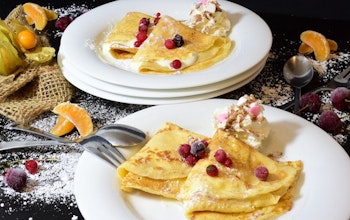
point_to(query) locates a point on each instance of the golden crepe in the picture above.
(158, 168)
(198, 52)
(236, 193)
(120, 42)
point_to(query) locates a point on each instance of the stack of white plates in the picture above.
(81, 65)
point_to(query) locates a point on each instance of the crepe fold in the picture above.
(236, 193)
(198, 52)
(158, 168)
(120, 41)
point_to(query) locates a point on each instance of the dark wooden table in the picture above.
(269, 86)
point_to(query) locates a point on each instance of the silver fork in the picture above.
(94, 144)
(102, 148)
(342, 79)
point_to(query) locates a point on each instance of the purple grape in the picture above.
(340, 98)
(16, 178)
(310, 102)
(330, 122)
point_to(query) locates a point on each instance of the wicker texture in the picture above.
(34, 89)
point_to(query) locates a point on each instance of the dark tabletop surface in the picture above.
(286, 23)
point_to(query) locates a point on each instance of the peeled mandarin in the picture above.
(37, 15)
(318, 43)
(306, 49)
(76, 115)
(62, 126)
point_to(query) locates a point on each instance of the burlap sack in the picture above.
(36, 88)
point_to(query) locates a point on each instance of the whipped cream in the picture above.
(207, 16)
(245, 120)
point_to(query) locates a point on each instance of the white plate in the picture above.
(323, 191)
(251, 35)
(76, 80)
(69, 68)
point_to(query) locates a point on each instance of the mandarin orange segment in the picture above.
(37, 15)
(306, 49)
(76, 115)
(50, 14)
(62, 126)
(318, 42)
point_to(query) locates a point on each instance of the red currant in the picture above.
(176, 64)
(169, 44)
(32, 166)
(220, 156)
(212, 170)
(261, 172)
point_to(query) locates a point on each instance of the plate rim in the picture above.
(314, 196)
(73, 44)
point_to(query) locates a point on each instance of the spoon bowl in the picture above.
(298, 72)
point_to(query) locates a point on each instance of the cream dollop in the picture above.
(245, 120)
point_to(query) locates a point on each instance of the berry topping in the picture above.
(310, 102)
(169, 44)
(63, 22)
(261, 172)
(220, 156)
(178, 40)
(144, 21)
(212, 170)
(176, 64)
(16, 178)
(184, 150)
(330, 122)
(31, 166)
(228, 162)
(143, 28)
(137, 43)
(157, 18)
(340, 98)
(197, 147)
(141, 36)
(191, 160)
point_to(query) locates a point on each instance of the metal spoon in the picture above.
(298, 72)
(119, 135)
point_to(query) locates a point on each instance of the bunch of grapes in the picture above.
(328, 120)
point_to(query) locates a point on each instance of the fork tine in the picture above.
(103, 149)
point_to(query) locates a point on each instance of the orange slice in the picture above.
(77, 116)
(318, 43)
(36, 14)
(306, 49)
(62, 126)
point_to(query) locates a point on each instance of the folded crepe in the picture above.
(236, 193)
(198, 52)
(158, 168)
(120, 42)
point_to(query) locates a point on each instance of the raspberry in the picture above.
(16, 178)
(330, 122)
(178, 40)
(212, 170)
(261, 173)
(63, 22)
(169, 44)
(184, 150)
(310, 102)
(340, 98)
(176, 64)
(220, 156)
(191, 160)
(31, 166)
